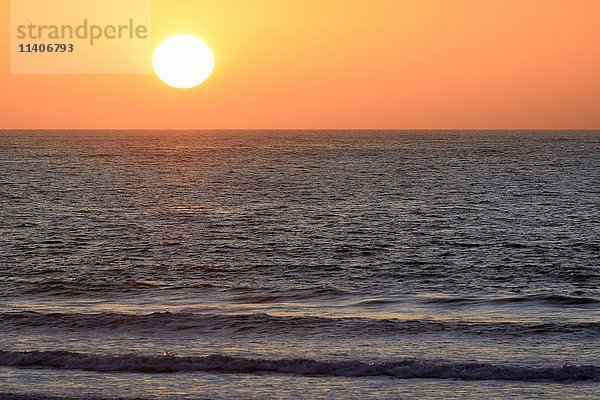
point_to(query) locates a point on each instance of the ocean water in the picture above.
(299, 264)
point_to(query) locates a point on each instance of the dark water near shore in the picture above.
(288, 264)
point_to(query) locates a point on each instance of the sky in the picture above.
(333, 64)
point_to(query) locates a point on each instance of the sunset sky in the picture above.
(327, 64)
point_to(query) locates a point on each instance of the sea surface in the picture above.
(299, 264)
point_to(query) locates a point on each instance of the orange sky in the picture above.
(385, 64)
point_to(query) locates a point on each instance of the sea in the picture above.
(282, 264)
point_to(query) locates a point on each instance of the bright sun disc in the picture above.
(183, 61)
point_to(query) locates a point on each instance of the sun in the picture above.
(183, 61)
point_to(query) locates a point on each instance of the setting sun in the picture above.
(183, 61)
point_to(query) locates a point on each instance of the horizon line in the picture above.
(313, 129)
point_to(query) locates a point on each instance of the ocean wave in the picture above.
(543, 299)
(400, 369)
(261, 323)
(84, 287)
(15, 396)
(276, 296)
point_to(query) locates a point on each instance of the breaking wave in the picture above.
(399, 369)
(166, 322)
(542, 299)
